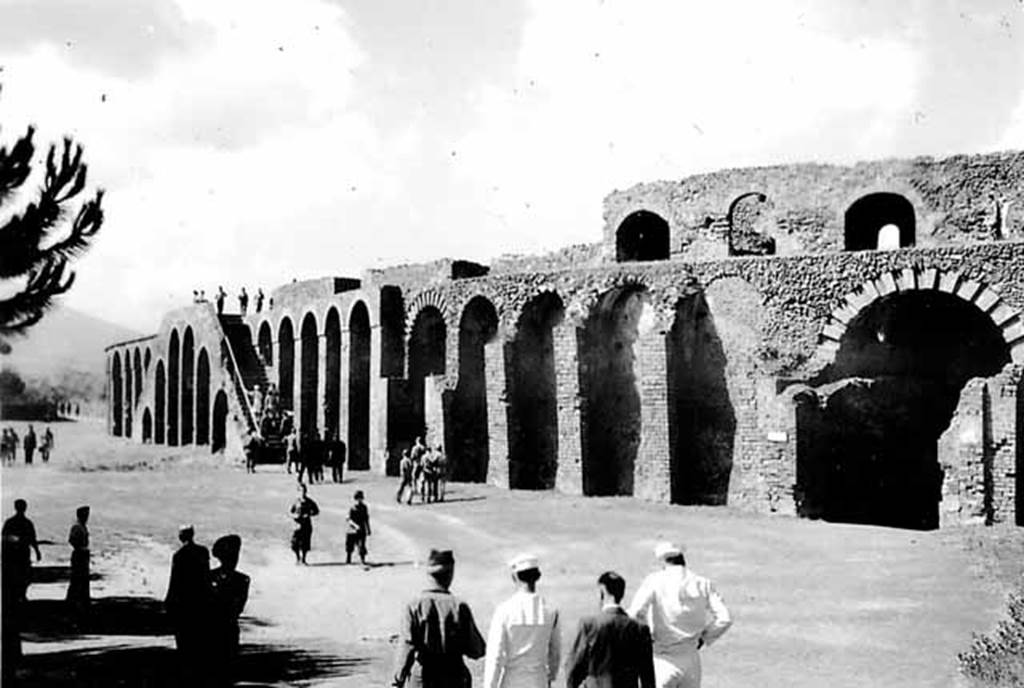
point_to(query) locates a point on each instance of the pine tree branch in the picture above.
(28, 306)
(16, 164)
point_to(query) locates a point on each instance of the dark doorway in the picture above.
(885, 401)
(128, 395)
(160, 401)
(173, 388)
(188, 387)
(611, 399)
(286, 364)
(265, 344)
(470, 448)
(426, 357)
(642, 236)
(137, 369)
(308, 381)
(116, 396)
(220, 422)
(203, 398)
(533, 396)
(332, 371)
(359, 387)
(702, 427)
(147, 427)
(866, 217)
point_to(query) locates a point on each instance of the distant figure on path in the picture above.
(611, 649)
(19, 540)
(302, 512)
(221, 295)
(259, 300)
(336, 457)
(405, 473)
(252, 450)
(292, 454)
(437, 631)
(243, 302)
(78, 538)
(29, 445)
(524, 645)
(684, 612)
(14, 445)
(358, 525)
(188, 598)
(47, 446)
(229, 592)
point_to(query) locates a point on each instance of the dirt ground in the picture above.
(815, 604)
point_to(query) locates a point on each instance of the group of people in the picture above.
(19, 543)
(9, 442)
(204, 605)
(310, 454)
(199, 296)
(357, 525)
(655, 641)
(423, 471)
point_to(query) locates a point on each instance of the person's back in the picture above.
(187, 591)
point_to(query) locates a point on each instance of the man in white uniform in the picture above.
(524, 642)
(684, 613)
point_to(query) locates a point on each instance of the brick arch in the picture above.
(581, 304)
(1005, 317)
(425, 299)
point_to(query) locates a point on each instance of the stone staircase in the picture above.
(250, 367)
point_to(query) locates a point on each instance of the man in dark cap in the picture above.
(188, 596)
(229, 592)
(437, 631)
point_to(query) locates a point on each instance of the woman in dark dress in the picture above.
(229, 590)
(302, 512)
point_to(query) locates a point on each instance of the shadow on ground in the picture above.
(158, 667)
(56, 574)
(54, 620)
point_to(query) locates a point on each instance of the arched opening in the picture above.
(286, 363)
(359, 387)
(220, 422)
(608, 386)
(203, 398)
(533, 396)
(116, 396)
(148, 359)
(137, 369)
(642, 236)
(470, 449)
(308, 375)
(702, 424)
(884, 402)
(265, 344)
(147, 426)
(869, 214)
(160, 400)
(173, 388)
(188, 387)
(128, 394)
(426, 358)
(332, 371)
(888, 238)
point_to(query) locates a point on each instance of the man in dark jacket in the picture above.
(611, 649)
(437, 631)
(188, 597)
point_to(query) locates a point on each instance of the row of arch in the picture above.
(182, 413)
(882, 220)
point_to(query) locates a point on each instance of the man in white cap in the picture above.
(524, 642)
(684, 612)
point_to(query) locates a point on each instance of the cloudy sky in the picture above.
(252, 141)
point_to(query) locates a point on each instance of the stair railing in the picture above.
(240, 392)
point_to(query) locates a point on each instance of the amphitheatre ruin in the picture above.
(836, 342)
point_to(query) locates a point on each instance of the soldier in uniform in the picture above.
(437, 631)
(229, 589)
(405, 472)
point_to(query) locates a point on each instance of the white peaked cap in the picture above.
(524, 562)
(664, 550)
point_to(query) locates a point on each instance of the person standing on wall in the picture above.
(259, 300)
(524, 645)
(685, 614)
(243, 302)
(221, 296)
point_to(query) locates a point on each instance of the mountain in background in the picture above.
(65, 343)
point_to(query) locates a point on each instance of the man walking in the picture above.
(611, 649)
(29, 445)
(188, 598)
(437, 631)
(19, 539)
(684, 612)
(358, 526)
(524, 644)
(405, 472)
(47, 445)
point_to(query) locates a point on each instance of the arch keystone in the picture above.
(928, 279)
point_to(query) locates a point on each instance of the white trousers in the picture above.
(679, 670)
